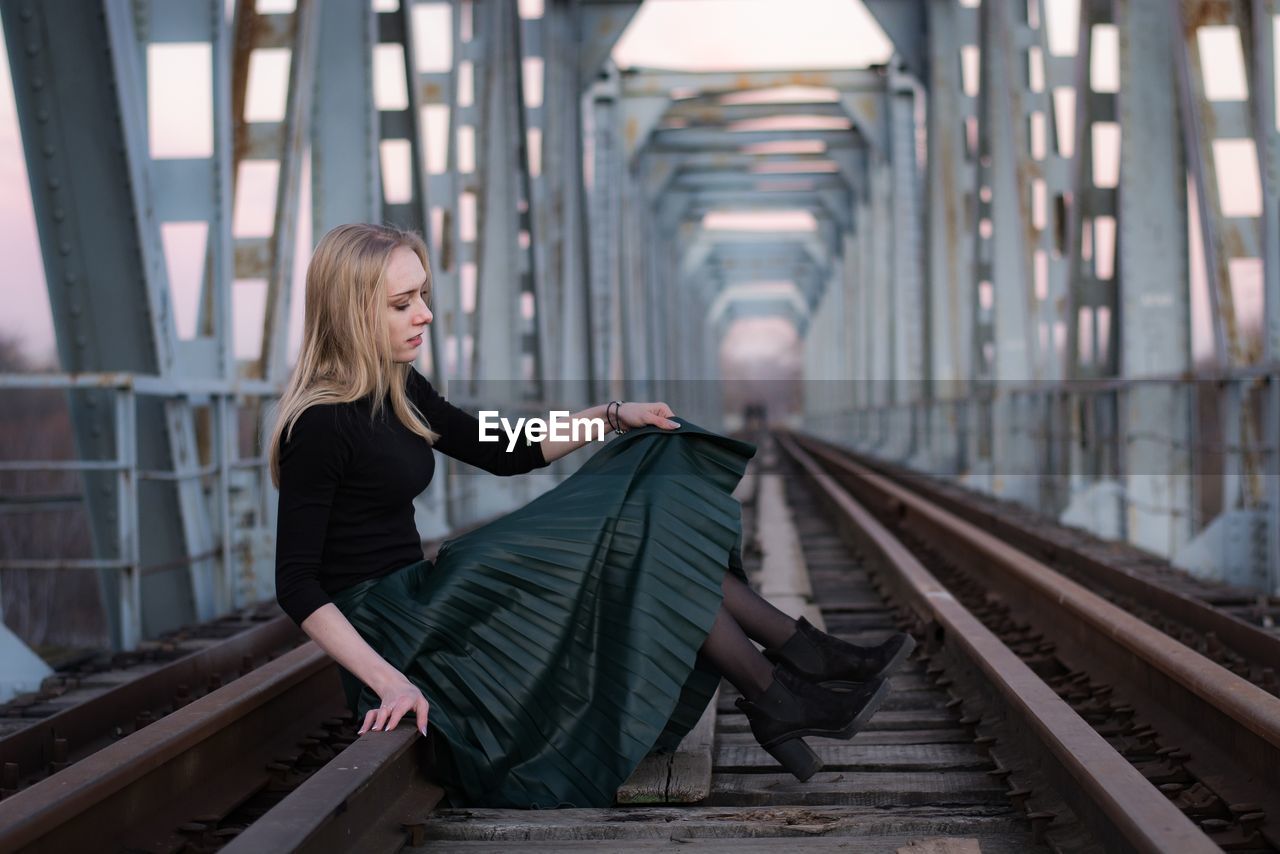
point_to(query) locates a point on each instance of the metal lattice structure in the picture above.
(979, 297)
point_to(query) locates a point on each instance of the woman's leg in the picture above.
(759, 620)
(732, 653)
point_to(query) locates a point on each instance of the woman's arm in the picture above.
(312, 462)
(631, 415)
(334, 634)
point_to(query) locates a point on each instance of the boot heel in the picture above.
(796, 757)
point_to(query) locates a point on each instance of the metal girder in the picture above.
(600, 24)
(728, 308)
(638, 117)
(501, 186)
(951, 284)
(869, 113)
(1249, 496)
(1155, 316)
(731, 180)
(1199, 123)
(344, 126)
(752, 244)
(1089, 294)
(605, 209)
(668, 166)
(559, 201)
(1010, 206)
(270, 258)
(911, 339)
(648, 82)
(81, 108)
(1261, 50)
(904, 22)
(705, 112)
(832, 204)
(403, 127)
(703, 139)
(752, 249)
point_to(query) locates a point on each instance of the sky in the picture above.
(695, 35)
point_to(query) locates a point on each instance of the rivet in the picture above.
(74, 309)
(42, 116)
(69, 278)
(26, 14)
(81, 342)
(49, 149)
(64, 248)
(59, 214)
(32, 50)
(54, 183)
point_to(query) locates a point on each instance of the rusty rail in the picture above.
(1099, 784)
(70, 735)
(200, 760)
(375, 797)
(1229, 727)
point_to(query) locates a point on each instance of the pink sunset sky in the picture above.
(689, 34)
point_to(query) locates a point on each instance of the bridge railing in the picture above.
(1186, 466)
(223, 399)
(237, 490)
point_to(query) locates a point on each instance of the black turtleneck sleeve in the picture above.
(347, 484)
(460, 434)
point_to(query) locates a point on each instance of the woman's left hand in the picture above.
(634, 415)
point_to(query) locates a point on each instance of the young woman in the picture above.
(557, 646)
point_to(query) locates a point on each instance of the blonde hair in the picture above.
(346, 353)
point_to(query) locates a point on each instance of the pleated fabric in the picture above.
(558, 645)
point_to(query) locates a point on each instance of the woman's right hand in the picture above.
(399, 697)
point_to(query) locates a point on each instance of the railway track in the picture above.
(1071, 726)
(1238, 629)
(1203, 736)
(78, 714)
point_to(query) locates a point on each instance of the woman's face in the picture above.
(407, 312)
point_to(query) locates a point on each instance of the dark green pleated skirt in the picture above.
(558, 645)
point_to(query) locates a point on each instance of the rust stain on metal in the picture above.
(1201, 13)
(809, 79)
(869, 105)
(446, 241)
(249, 32)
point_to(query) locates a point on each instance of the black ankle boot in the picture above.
(791, 708)
(836, 664)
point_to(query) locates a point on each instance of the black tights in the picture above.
(745, 616)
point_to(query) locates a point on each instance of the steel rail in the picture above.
(80, 726)
(1229, 726)
(1100, 785)
(202, 758)
(374, 797)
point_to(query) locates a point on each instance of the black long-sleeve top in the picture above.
(347, 485)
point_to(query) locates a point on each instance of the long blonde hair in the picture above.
(345, 353)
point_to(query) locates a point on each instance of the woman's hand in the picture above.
(399, 697)
(642, 414)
